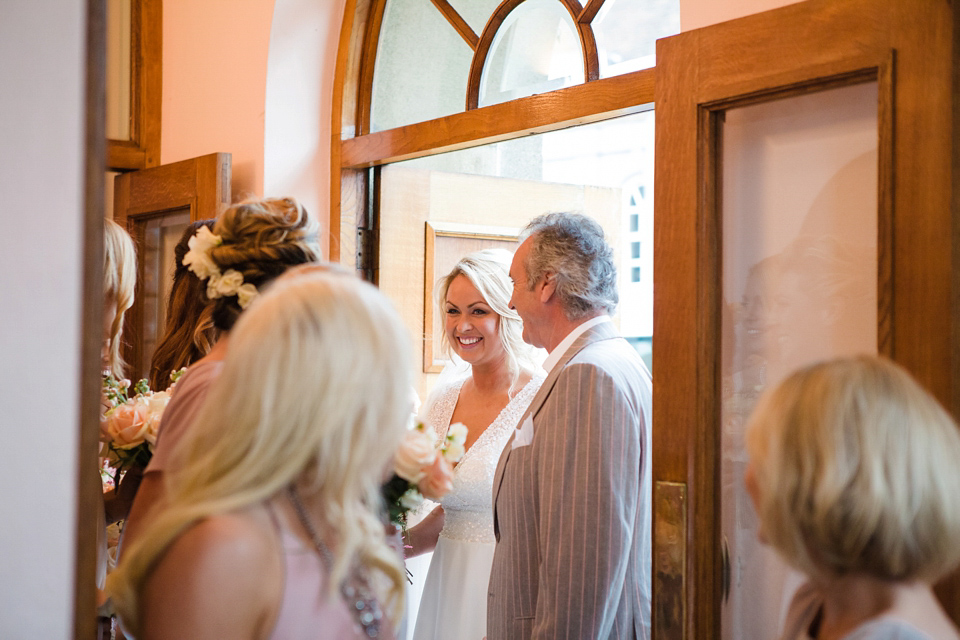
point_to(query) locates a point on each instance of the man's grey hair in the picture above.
(571, 247)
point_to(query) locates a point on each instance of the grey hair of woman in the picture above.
(570, 248)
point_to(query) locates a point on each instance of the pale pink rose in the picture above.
(417, 451)
(437, 481)
(156, 403)
(127, 424)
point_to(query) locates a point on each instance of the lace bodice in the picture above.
(468, 508)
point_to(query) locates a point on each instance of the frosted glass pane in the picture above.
(536, 50)
(160, 236)
(799, 285)
(627, 30)
(475, 12)
(422, 66)
(119, 79)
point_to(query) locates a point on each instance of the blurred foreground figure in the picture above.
(272, 527)
(853, 470)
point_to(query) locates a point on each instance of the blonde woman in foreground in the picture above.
(853, 470)
(272, 528)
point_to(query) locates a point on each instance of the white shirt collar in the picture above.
(554, 357)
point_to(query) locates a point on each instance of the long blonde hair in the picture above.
(119, 283)
(314, 390)
(856, 469)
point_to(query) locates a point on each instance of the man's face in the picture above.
(524, 300)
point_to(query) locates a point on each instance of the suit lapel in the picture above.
(602, 331)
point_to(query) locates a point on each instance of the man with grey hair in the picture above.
(571, 494)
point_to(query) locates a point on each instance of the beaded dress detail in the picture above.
(454, 599)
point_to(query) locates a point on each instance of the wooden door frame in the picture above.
(201, 184)
(908, 47)
(142, 150)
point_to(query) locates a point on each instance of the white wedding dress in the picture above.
(454, 601)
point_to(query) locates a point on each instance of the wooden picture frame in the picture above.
(142, 150)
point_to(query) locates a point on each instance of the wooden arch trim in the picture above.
(368, 63)
(457, 22)
(588, 42)
(483, 48)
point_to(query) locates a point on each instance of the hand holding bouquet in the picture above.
(129, 426)
(423, 467)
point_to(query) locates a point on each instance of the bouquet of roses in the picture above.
(129, 427)
(423, 468)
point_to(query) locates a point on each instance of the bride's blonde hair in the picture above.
(314, 390)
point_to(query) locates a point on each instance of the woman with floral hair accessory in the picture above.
(252, 243)
(853, 472)
(189, 334)
(272, 527)
(489, 398)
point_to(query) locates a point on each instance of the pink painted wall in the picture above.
(700, 13)
(214, 84)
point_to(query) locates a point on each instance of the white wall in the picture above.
(299, 91)
(42, 58)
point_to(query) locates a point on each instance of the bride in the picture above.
(485, 333)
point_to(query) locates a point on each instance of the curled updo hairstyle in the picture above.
(570, 248)
(856, 472)
(488, 271)
(189, 334)
(261, 239)
(119, 283)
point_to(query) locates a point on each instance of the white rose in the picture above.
(229, 282)
(453, 452)
(411, 499)
(212, 292)
(245, 295)
(457, 433)
(418, 450)
(200, 263)
(204, 240)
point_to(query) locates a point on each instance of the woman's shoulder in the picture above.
(222, 570)
(226, 545)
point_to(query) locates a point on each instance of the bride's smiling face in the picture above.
(472, 327)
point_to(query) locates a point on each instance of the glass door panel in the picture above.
(160, 236)
(437, 208)
(799, 263)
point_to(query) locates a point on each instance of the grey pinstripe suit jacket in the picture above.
(572, 509)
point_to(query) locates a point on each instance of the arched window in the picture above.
(459, 120)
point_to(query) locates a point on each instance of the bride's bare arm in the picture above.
(422, 538)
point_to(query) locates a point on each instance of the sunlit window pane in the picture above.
(536, 50)
(627, 31)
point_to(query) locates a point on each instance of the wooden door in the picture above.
(155, 205)
(716, 193)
